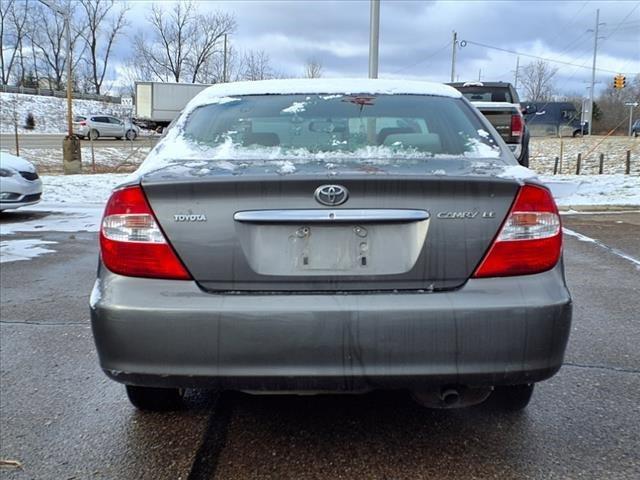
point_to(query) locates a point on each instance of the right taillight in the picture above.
(530, 240)
(517, 125)
(131, 241)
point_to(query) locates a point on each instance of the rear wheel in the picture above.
(155, 399)
(93, 135)
(512, 398)
(131, 135)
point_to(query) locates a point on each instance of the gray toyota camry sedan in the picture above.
(315, 236)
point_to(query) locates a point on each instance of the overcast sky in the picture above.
(415, 36)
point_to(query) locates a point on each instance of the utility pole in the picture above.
(71, 152)
(67, 24)
(224, 64)
(593, 69)
(631, 106)
(374, 38)
(480, 75)
(515, 83)
(453, 56)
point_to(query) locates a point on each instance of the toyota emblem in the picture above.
(331, 195)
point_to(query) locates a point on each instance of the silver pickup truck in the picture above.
(499, 102)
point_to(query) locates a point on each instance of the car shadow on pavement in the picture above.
(375, 435)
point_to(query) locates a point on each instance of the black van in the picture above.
(553, 119)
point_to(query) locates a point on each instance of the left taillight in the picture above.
(530, 240)
(131, 241)
(517, 125)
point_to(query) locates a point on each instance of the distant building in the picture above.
(553, 119)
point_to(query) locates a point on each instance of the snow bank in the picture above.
(24, 249)
(572, 190)
(73, 203)
(50, 113)
(80, 189)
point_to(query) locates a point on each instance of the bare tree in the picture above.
(19, 16)
(103, 26)
(611, 102)
(255, 66)
(13, 23)
(537, 81)
(48, 37)
(183, 41)
(313, 69)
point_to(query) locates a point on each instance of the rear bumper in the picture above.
(489, 332)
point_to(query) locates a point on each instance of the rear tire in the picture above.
(131, 135)
(155, 399)
(524, 155)
(512, 398)
(93, 135)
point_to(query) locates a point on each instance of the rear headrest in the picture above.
(429, 142)
(266, 139)
(385, 132)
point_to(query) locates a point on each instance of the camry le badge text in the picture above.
(467, 214)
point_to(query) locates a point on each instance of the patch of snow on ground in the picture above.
(24, 249)
(73, 203)
(80, 189)
(572, 190)
(58, 218)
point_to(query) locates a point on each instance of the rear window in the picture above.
(486, 94)
(383, 124)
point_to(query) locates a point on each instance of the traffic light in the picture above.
(619, 81)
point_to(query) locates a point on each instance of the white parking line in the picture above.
(615, 251)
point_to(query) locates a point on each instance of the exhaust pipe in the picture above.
(449, 396)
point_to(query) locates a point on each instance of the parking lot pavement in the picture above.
(61, 418)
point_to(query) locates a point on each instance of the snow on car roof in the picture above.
(344, 86)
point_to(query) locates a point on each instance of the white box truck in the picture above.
(158, 103)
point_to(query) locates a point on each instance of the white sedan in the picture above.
(19, 182)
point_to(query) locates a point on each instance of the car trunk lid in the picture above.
(259, 227)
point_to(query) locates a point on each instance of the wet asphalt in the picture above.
(61, 418)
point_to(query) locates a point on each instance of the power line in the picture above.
(513, 52)
(433, 54)
(620, 24)
(561, 31)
